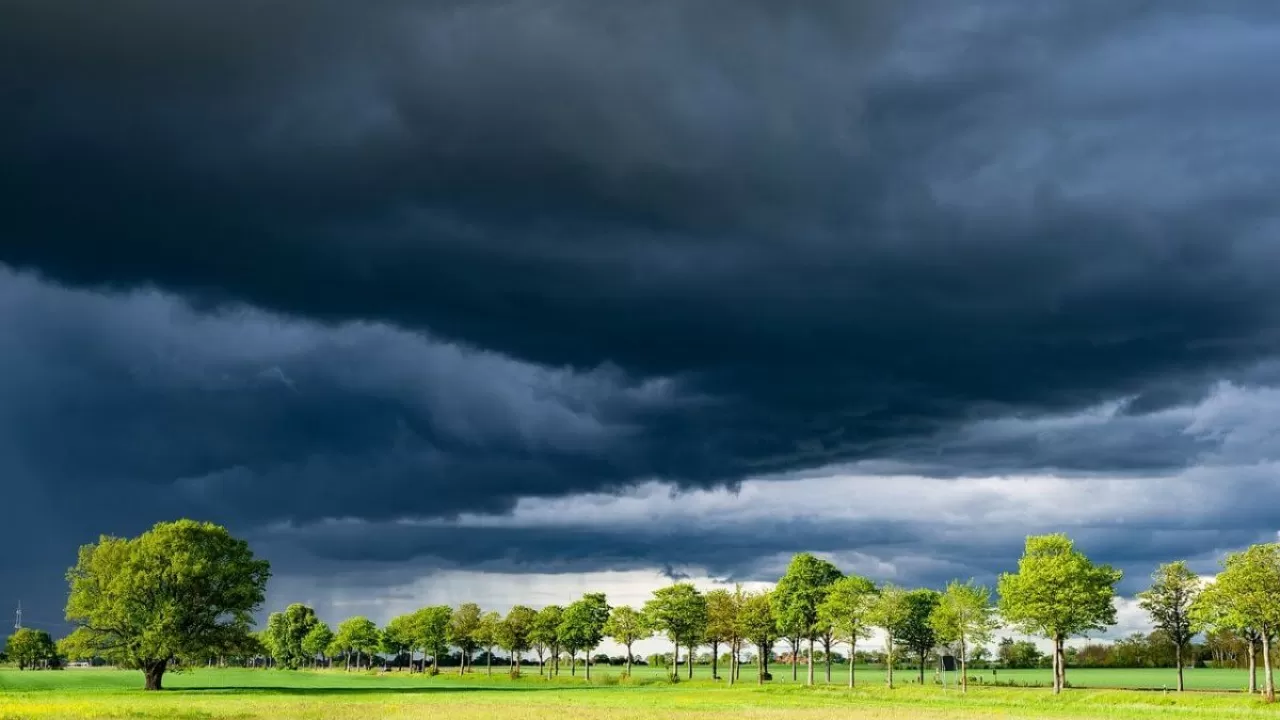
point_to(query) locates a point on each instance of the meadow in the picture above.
(311, 695)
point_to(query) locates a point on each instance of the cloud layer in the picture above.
(352, 281)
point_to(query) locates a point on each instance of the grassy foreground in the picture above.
(282, 695)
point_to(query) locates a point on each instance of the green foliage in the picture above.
(582, 626)
(430, 631)
(847, 608)
(513, 631)
(1169, 602)
(1246, 597)
(316, 642)
(799, 594)
(756, 620)
(1057, 591)
(462, 628)
(916, 634)
(678, 610)
(486, 633)
(30, 648)
(964, 616)
(544, 636)
(890, 612)
(357, 635)
(723, 608)
(180, 591)
(285, 632)
(626, 626)
(401, 634)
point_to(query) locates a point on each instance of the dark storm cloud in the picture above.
(857, 221)
(696, 241)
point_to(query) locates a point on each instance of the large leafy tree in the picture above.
(462, 632)
(545, 636)
(757, 623)
(964, 616)
(486, 636)
(1058, 592)
(432, 631)
(30, 648)
(285, 631)
(513, 633)
(916, 633)
(357, 636)
(799, 594)
(890, 612)
(176, 592)
(582, 627)
(316, 642)
(1246, 596)
(680, 611)
(626, 626)
(847, 611)
(1169, 600)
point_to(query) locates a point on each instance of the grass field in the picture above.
(283, 695)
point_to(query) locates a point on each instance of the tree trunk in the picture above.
(154, 673)
(852, 659)
(1177, 657)
(922, 656)
(964, 668)
(1269, 688)
(1253, 666)
(715, 660)
(888, 660)
(811, 656)
(628, 660)
(675, 659)
(760, 665)
(586, 663)
(689, 660)
(795, 656)
(1059, 665)
(573, 664)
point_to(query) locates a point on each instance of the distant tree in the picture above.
(758, 624)
(964, 615)
(797, 597)
(626, 626)
(916, 634)
(1173, 592)
(847, 610)
(357, 635)
(513, 633)
(1246, 596)
(890, 612)
(545, 636)
(462, 633)
(317, 640)
(680, 611)
(285, 631)
(431, 633)
(486, 636)
(31, 648)
(174, 593)
(1058, 592)
(722, 627)
(582, 627)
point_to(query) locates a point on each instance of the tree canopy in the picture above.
(513, 631)
(30, 648)
(1058, 592)
(626, 626)
(847, 610)
(285, 632)
(965, 616)
(1169, 601)
(582, 626)
(799, 594)
(678, 610)
(176, 592)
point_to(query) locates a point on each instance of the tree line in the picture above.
(185, 593)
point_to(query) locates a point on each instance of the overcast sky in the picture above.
(507, 301)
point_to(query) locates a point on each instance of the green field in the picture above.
(283, 695)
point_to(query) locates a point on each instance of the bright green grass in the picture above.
(283, 695)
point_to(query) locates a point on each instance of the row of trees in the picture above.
(185, 592)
